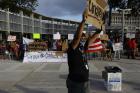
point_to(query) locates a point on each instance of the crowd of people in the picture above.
(15, 49)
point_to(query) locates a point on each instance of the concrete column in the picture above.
(40, 19)
(21, 14)
(52, 25)
(123, 22)
(32, 17)
(8, 21)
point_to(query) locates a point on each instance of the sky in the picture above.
(63, 9)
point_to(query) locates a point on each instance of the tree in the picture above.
(135, 6)
(13, 4)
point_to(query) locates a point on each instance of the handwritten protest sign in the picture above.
(57, 36)
(11, 38)
(96, 12)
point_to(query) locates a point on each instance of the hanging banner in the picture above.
(96, 12)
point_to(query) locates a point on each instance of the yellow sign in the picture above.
(36, 36)
(95, 12)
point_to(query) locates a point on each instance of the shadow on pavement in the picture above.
(96, 82)
(27, 90)
(63, 76)
(134, 85)
(2, 91)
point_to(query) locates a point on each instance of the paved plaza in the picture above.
(18, 77)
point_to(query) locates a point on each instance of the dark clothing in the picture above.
(77, 81)
(74, 87)
(77, 62)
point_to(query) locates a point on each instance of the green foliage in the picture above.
(135, 6)
(14, 4)
(115, 3)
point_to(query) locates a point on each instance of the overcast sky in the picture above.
(64, 9)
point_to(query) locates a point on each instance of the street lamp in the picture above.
(123, 21)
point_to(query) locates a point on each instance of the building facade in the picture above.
(130, 24)
(22, 24)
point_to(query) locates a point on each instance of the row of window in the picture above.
(3, 26)
(126, 18)
(3, 16)
(15, 19)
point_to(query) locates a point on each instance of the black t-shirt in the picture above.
(77, 62)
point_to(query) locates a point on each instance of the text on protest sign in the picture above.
(96, 12)
(57, 36)
(11, 38)
(70, 36)
(44, 56)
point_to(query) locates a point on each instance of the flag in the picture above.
(95, 46)
(27, 41)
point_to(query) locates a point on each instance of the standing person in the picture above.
(59, 45)
(77, 80)
(64, 45)
(129, 48)
(134, 47)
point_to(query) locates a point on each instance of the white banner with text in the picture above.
(45, 56)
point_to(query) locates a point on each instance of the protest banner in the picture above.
(11, 38)
(44, 56)
(57, 36)
(70, 36)
(117, 46)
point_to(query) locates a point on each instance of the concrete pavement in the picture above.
(17, 77)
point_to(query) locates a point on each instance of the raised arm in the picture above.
(78, 33)
(93, 37)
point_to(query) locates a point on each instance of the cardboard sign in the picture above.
(95, 12)
(11, 38)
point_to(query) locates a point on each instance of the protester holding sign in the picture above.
(77, 81)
